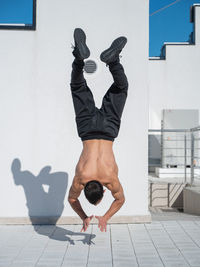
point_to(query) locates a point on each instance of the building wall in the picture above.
(174, 81)
(37, 118)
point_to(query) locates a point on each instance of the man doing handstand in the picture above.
(97, 128)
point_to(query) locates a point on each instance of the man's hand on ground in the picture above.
(86, 223)
(102, 223)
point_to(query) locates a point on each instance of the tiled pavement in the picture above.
(160, 243)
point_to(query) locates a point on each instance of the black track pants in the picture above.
(94, 123)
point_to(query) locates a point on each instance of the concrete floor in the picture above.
(172, 239)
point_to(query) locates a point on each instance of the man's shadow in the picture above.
(46, 204)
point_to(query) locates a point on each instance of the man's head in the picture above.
(93, 192)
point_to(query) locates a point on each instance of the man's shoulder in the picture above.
(76, 181)
(113, 184)
(80, 179)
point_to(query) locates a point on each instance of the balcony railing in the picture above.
(179, 148)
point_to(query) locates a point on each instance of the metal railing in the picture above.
(185, 151)
(195, 154)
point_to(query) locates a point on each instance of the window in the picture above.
(18, 14)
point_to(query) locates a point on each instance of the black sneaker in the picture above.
(112, 53)
(81, 51)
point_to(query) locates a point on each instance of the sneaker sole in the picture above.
(80, 43)
(110, 53)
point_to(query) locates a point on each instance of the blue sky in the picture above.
(169, 25)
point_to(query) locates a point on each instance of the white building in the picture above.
(174, 77)
(37, 116)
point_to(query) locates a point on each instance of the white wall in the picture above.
(174, 82)
(37, 116)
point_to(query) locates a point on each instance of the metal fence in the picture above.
(178, 148)
(195, 154)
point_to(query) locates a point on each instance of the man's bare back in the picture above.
(97, 162)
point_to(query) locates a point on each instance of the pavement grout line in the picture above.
(121, 239)
(197, 224)
(132, 245)
(66, 250)
(26, 242)
(45, 246)
(89, 246)
(7, 240)
(154, 245)
(188, 235)
(175, 244)
(100, 252)
(111, 244)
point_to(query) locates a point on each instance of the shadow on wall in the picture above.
(41, 203)
(45, 204)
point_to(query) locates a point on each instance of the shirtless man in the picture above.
(97, 129)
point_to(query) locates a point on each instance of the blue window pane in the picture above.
(16, 12)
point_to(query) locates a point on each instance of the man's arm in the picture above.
(118, 194)
(117, 203)
(74, 193)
